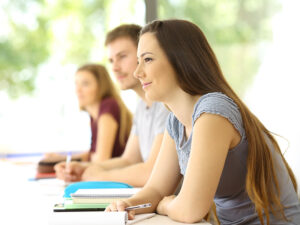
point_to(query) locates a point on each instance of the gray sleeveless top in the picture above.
(232, 202)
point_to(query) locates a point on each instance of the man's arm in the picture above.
(130, 156)
(135, 174)
(75, 169)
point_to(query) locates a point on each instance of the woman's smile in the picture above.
(146, 84)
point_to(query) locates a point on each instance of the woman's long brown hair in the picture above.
(198, 73)
(106, 88)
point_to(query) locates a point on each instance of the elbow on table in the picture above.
(188, 218)
(185, 215)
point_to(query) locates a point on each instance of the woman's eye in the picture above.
(148, 59)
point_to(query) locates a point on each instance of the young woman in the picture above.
(110, 119)
(229, 161)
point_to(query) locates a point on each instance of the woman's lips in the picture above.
(146, 84)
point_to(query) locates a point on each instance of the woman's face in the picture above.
(154, 70)
(86, 88)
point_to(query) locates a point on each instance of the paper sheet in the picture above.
(140, 217)
(88, 218)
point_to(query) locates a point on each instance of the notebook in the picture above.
(96, 200)
(108, 195)
(69, 206)
(85, 206)
(72, 188)
(105, 193)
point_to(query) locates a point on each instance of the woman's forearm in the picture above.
(146, 195)
(84, 156)
(118, 162)
(184, 212)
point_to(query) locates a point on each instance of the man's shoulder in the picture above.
(160, 108)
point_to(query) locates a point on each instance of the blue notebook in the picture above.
(72, 188)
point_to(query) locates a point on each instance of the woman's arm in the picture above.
(213, 136)
(106, 137)
(163, 179)
(141, 170)
(130, 156)
(84, 156)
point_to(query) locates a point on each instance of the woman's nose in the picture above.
(138, 73)
(78, 89)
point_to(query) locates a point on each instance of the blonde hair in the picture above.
(106, 88)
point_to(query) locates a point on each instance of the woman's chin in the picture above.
(81, 105)
(153, 98)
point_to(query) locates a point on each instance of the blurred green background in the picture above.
(37, 32)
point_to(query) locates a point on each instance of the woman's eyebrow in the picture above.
(145, 53)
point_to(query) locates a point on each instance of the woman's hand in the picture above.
(163, 205)
(93, 172)
(71, 172)
(120, 206)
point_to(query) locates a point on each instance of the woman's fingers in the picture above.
(131, 214)
(111, 208)
(120, 206)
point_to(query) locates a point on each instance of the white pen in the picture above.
(142, 206)
(69, 157)
(68, 160)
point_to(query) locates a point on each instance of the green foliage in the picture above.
(84, 21)
(225, 22)
(233, 28)
(21, 52)
(65, 30)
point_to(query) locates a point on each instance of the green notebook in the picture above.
(85, 206)
(78, 207)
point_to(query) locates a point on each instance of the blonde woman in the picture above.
(110, 119)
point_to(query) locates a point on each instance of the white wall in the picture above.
(274, 96)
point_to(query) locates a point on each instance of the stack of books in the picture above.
(94, 199)
(82, 205)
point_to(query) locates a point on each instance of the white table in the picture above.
(31, 202)
(158, 219)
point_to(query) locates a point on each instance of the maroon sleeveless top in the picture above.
(108, 105)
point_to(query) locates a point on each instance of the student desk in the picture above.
(31, 202)
(158, 219)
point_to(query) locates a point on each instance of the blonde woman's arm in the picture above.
(106, 138)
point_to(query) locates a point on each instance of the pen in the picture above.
(142, 206)
(68, 159)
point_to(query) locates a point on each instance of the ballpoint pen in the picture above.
(142, 206)
(68, 160)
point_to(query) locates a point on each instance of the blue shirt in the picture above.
(232, 201)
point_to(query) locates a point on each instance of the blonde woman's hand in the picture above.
(120, 206)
